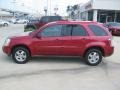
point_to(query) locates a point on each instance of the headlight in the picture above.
(7, 42)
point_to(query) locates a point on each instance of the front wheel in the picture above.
(93, 57)
(20, 55)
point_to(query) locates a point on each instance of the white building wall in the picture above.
(83, 6)
(95, 5)
(95, 13)
(3, 13)
(106, 4)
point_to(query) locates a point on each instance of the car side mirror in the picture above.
(38, 36)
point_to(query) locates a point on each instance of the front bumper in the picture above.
(6, 50)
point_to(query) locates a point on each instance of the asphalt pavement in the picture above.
(57, 73)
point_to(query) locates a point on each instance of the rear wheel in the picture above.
(93, 57)
(20, 55)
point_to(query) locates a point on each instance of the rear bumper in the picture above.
(109, 51)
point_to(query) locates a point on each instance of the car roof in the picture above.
(73, 22)
(51, 16)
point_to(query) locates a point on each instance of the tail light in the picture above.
(111, 41)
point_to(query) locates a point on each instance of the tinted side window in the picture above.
(66, 30)
(79, 31)
(98, 31)
(54, 18)
(44, 19)
(52, 31)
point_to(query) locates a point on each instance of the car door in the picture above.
(66, 39)
(50, 41)
(79, 39)
(74, 40)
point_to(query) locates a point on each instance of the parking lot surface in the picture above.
(57, 73)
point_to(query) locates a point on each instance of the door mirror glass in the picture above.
(38, 36)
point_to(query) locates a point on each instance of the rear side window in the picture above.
(79, 31)
(98, 31)
(66, 30)
(73, 30)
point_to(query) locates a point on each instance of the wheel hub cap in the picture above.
(20, 55)
(93, 57)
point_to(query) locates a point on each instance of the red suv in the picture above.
(89, 40)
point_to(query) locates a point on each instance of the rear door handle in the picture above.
(84, 38)
(56, 39)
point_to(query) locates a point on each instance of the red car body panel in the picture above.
(115, 30)
(63, 45)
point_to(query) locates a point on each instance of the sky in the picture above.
(37, 6)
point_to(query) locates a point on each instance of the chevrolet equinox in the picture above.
(89, 40)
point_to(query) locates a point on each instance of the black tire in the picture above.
(20, 50)
(5, 24)
(95, 60)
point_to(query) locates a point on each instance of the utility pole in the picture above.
(45, 9)
(14, 1)
(55, 10)
(50, 7)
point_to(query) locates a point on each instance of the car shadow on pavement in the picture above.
(57, 60)
(7, 59)
(47, 59)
